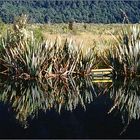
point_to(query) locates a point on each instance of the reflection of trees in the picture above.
(126, 99)
(28, 97)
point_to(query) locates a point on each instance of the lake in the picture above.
(70, 107)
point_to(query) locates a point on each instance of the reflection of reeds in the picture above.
(29, 97)
(25, 98)
(68, 92)
(126, 99)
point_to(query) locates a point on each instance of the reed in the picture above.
(23, 56)
(124, 55)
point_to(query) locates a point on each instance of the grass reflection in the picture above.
(126, 98)
(27, 98)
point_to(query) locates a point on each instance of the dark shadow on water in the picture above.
(62, 108)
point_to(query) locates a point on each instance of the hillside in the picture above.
(92, 11)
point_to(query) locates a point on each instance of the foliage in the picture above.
(24, 56)
(93, 11)
(124, 56)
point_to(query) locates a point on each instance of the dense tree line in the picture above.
(57, 11)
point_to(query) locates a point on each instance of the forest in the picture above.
(63, 11)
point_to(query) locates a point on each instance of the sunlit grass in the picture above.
(24, 56)
(27, 53)
(124, 56)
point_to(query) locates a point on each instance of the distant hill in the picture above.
(91, 11)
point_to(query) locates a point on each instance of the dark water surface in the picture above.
(69, 109)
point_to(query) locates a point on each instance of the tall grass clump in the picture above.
(67, 59)
(124, 56)
(23, 56)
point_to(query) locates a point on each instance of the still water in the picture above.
(70, 108)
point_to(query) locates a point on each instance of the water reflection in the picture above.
(29, 97)
(68, 92)
(26, 98)
(126, 99)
